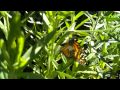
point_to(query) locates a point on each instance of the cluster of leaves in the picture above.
(30, 44)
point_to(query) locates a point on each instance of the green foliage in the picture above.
(33, 40)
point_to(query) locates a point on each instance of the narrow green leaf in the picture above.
(81, 23)
(104, 49)
(87, 72)
(63, 75)
(78, 15)
(67, 24)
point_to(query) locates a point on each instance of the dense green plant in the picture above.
(32, 40)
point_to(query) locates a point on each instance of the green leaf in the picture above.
(111, 56)
(3, 75)
(67, 24)
(55, 64)
(87, 72)
(19, 50)
(63, 75)
(90, 56)
(78, 15)
(4, 51)
(104, 49)
(77, 26)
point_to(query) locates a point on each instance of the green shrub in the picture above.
(32, 40)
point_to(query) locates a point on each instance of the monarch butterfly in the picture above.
(71, 49)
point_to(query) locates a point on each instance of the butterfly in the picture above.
(71, 49)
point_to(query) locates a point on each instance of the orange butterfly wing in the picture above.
(65, 50)
(78, 53)
(72, 49)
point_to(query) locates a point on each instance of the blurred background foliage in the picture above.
(30, 44)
